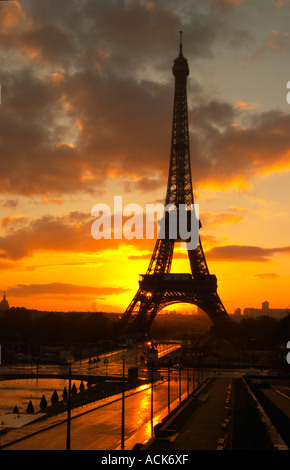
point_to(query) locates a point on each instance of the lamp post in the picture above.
(201, 367)
(179, 382)
(106, 362)
(68, 431)
(198, 371)
(168, 388)
(123, 406)
(152, 380)
(193, 374)
(253, 342)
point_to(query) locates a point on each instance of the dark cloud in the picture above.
(47, 233)
(73, 233)
(225, 151)
(99, 73)
(227, 3)
(10, 203)
(59, 288)
(50, 42)
(244, 253)
(70, 233)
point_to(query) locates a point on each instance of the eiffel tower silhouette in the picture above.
(159, 288)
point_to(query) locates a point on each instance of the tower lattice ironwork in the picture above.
(159, 288)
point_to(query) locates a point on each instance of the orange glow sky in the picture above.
(85, 114)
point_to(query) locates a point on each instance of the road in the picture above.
(100, 429)
(203, 429)
(279, 394)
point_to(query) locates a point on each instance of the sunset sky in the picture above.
(86, 114)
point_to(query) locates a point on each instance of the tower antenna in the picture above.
(180, 42)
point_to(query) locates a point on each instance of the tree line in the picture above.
(22, 325)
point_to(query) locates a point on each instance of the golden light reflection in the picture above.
(144, 406)
(142, 387)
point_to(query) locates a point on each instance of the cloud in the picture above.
(59, 288)
(233, 253)
(210, 219)
(13, 220)
(243, 106)
(68, 233)
(244, 253)
(281, 3)
(89, 99)
(237, 153)
(228, 3)
(7, 264)
(45, 233)
(10, 203)
(278, 41)
(47, 44)
(266, 275)
(11, 15)
(54, 200)
(72, 233)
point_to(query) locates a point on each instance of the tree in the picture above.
(54, 397)
(43, 402)
(30, 407)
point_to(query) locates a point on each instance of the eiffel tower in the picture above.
(159, 288)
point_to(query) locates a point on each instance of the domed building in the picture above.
(4, 304)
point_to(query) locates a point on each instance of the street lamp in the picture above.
(179, 382)
(253, 341)
(152, 380)
(168, 388)
(123, 406)
(106, 362)
(68, 432)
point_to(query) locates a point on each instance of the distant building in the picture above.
(265, 306)
(4, 304)
(266, 310)
(238, 312)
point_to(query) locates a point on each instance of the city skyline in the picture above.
(86, 115)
